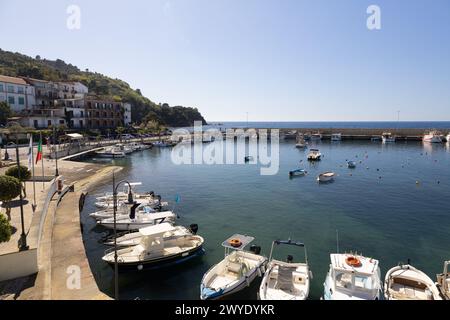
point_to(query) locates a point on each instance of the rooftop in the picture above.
(14, 80)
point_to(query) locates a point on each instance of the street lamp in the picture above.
(130, 201)
(23, 237)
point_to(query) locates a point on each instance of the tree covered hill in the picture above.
(19, 65)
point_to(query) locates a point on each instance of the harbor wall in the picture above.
(18, 264)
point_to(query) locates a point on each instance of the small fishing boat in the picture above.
(124, 148)
(236, 271)
(124, 193)
(297, 172)
(433, 137)
(404, 282)
(145, 200)
(300, 142)
(325, 177)
(314, 155)
(286, 280)
(352, 277)
(336, 136)
(387, 137)
(351, 164)
(122, 212)
(133, 238)
(316, 136)
(443, 281)
(158, 246)
(110, 152)
(138, 221)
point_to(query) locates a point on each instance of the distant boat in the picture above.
(286, 280)
(336, 137)
(314, 155)
(316, 136)
(290, 134)
(297, 172)
(236, 271)
(443, 281)
(387, 137)
(300, 142)
(352, 277)
(404, 282)
(351, 164)
(326, 177)
(448, 137)
(432, 137)
(375, 138)
(110, 152)
(161, 144)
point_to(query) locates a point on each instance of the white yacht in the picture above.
(236, 271)
(352, 277)
(129, 239)
(286, 280)
(404, 282)
(314, 155)
(336, 136)
(387, 137)
(138, 221)
(326, 177)
(156, 249)
(443, 281)
(433, 137)
(145, 200)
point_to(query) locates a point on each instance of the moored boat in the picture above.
(286, 280)
(443, 281)
(236, 271)
(297, 172)
(351, 164)
(138, 221)
(316, 136)
(433, 137)
(387, 137)
(352, 277)
(336, 136)
(404, 282)
(156, 250)
(326, 176)
(314, 155)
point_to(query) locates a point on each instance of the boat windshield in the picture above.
(354, 282)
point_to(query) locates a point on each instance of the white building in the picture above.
(17, 93)
(127, 114)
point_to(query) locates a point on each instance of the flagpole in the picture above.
(42, 162)
(32, 171)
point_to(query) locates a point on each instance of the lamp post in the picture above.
(23, 237)
(6, 149)
(130, 201)
(56, 153)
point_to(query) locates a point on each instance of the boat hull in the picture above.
(160, 262)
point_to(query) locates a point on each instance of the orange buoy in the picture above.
(353, 261)
(235, 242)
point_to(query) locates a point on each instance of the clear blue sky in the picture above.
(277, 60)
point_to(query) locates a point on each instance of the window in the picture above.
(49, 122)
(20, 90)
(35, 123)
(10, 88)
(1, 87)
(21, 101)
(61, 121)
(11, 100)
(2, 97)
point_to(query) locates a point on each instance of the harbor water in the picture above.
(393, 206)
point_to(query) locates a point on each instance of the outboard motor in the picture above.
(133, 210)
(194, 228)
(255, 249)
(289, 259)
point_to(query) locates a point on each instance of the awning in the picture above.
(74, 136)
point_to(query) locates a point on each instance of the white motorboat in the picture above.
(143, 199)
(156, 249)
(129, 239)
(300, 142)
(387, 137)
(110, 152)
(316, 136)
(404, 282)
(161, 144)
(122, 212)
(326, 176)
(236, 271)
(443, 281)
(297, 172)
(336, 136)
(314, 155)
(448, 138)
(433, 137)
(138, 221)
(124, 148)
(124, 193)
(286, 280)
(352, 277)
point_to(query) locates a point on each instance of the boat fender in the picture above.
(194, 228)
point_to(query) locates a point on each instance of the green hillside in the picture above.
(16, 64)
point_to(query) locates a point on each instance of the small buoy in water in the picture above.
(417, 182)
(378, 169)
(438, 182)
(379, 177)
(367, 168)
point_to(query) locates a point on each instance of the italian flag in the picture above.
(39, 151)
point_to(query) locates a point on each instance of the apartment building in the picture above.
(17, 93)
(104, 114)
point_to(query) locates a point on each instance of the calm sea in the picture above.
(394, 206)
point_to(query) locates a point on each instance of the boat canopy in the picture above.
(156, 229)
(244, 241)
